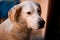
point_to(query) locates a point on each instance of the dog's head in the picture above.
(28, 13)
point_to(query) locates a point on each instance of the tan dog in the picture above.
(21, 19)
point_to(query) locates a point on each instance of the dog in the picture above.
(22, 19)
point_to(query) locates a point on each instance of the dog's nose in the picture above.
(41, 24)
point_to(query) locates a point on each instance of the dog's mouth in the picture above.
(41, 24)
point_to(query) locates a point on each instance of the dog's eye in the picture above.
(29, 13)
(39, 12)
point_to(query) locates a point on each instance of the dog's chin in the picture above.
(34, 28)
(37, 27)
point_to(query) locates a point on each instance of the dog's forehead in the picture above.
(29, 6)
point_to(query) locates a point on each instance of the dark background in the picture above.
(53, 23)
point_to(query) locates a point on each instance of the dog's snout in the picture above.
(41, 24)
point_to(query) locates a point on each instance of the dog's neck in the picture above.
(20, 31)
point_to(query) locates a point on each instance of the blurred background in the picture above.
(5, 5)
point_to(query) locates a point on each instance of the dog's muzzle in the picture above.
(41, 24)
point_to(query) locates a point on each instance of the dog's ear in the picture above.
(14, 12)
(39, 7)
(17, 13)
